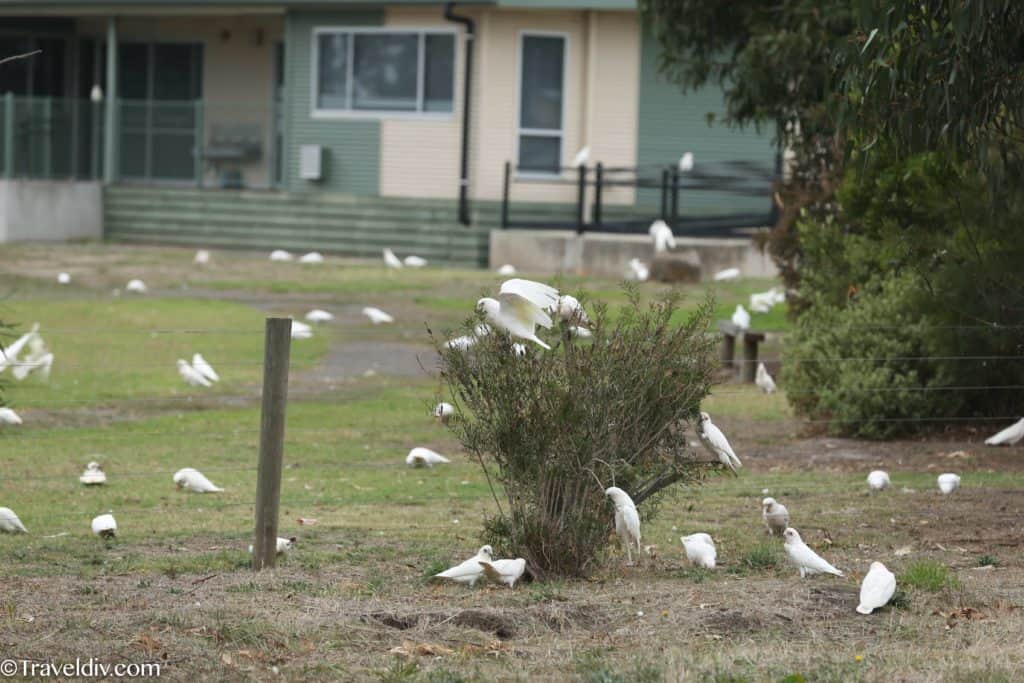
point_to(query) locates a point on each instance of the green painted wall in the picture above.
(352, 156)
(670, 123)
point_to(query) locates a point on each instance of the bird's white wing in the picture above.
(811, 560)
(630, 521)
(9, 520)
(463, 570)
(204, 368)
(1008, 436)
(198, 482)
(539, 294)
(877, 589)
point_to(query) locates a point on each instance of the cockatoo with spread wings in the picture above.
(521, 306)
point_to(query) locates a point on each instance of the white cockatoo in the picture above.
(377, 316)
(412, 261)
(727, 275)
(136, 286)
(10, 523)
(312, 257)
(740, 318)
(8, 416)
(700, 550)
(281, 255)
(775, 516)
(580, 332)
(686, 162)
(461, 343)
(424, 457)
(43, 364)
(284, 545)
(714, 440)
(444, 411)
(105, 526)
(569, 308)
(638, 270)
(764, 380)
(627, 521)
(805, 559)
(192, 377)
(878, 480)
(762, 302)
(301, 330)
(189, 479)
(504, 571)
(949, 482)
(877, 588)
(521, 306)
(1009, 436)
(9, 354)
(63, 278)
(204, 368)
(471, 570)
(662, 236)
(93, 475)
(582, 157)
(318, 315)
(202, 257)
(390, 260)
(507, 269)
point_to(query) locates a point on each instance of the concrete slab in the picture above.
(50, 211)
(608, 254)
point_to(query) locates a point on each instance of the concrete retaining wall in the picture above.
(50, 211)
(608, 254)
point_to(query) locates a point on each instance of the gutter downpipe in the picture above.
(467, 83)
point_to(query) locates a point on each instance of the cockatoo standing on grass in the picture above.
(878, 480)
(1008, 436)
(775, 516)
(10, 523)
(877, 589)
(504, 571)
(763, 380)
(192, 376)
(391, 261)
(424, 457)
(627, 521)
(700, 550)
(948, 483)
(471, 570)
(805, 559)
(189, 479)
(204, 368)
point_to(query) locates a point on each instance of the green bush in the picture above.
(918, 270)
(553, 429)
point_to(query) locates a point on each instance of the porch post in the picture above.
(111, 138)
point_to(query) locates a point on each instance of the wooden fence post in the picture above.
(277, 347)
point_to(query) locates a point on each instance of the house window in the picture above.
(541, 100)
(383, 72)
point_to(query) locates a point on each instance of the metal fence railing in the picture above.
(744, 188)
(172, 142)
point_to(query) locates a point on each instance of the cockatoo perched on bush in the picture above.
(627, 521)
(521, 306)
(715, 442)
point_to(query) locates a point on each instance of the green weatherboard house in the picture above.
(342, 125)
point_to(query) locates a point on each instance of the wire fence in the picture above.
(323, 484)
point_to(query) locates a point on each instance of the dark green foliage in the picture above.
(920, 277)
(938, 72)
(553, 429)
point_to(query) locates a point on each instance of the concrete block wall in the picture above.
(50, 211)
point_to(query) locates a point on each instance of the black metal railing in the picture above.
(672, 186)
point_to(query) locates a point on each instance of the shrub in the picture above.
(919, 260)
(553, 429)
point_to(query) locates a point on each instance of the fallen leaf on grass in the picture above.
(963, 613)
(148, 642)
(409, 649)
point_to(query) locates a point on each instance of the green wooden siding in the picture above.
(670, 123)
(352, 147)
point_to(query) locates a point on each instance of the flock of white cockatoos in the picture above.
(520, 307)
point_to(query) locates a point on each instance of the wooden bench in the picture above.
(746, 367)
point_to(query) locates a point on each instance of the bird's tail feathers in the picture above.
(540, 343)
(863, 610)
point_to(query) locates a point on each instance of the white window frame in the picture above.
(540, 132)
(316, 112)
